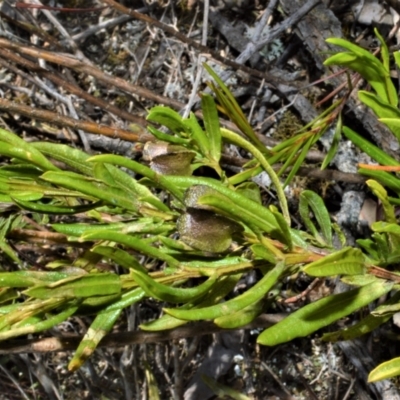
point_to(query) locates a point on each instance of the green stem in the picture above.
(239, 141)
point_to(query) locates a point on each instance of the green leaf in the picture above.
(321, 313)
(111, 195)
(221, 288)
(137, 244)
(167, 117)
(368, 66)
(139, 169)
(335, 143)
(78, 286)
(68, 155)
(386, 370)
(165, 137)
(211, 123)
(172, 294)
(348, 261)
(222, 390)
(388, 180)
(55, 209)
(119, 256)
(233, 110)
(378, 317)
(251, 296)
(102, 324)
(393, 124)
(367, 147)
(309, 199)
(198, 135)
(382, 195)
(19, 148)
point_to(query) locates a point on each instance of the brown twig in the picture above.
(59, 120)
(69, 61)
(270, 79)
(64, 343)
(74, 89)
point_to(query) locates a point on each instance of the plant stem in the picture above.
(239, 141)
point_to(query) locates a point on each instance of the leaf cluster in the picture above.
(183, 239)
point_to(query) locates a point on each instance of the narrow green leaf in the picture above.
(165, 137)
(366, 64)
(172, 294)
(167, 117)
(139, 169)
(56, 209)
(197, 134)
(382, 195)
(367, 147)
(321, 313)
(335, 143)
(222, 390)
(211, 123)
(132, 242)
(222, 287)
(111, 195)
(68, 155)
(119, 256)
(348, 261)
(386, 370)
(393, 124)
(388, 180)
(102, 324)
(251, 296)
(309, 199)
(80, 286)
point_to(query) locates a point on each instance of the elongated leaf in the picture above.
(39, 325)
(80, 286)
(218, 292)
(211, 123)
(386, 179)
(366, 325)
(381, 193)
(102, 324)
(368, 66)
(167, 117)
(132, 242)
(68, 155)
(321, 313)
(171, 294)
(55, 209)
(198, 135)
(393, 124)
(240, 318)
(223, 390)
(24, 150)
(139, 169)
(335, 143)
(367, 147)
(348, 261)
(309, 199)
(112, 195)
(386, 370)
(251, 296)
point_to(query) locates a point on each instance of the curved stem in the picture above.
(239, 141)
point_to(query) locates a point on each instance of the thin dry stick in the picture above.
(55, 344)
(72, 88)
(69, 61)
(270, 79)
(63, 121)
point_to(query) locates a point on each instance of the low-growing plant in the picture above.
(180, 237)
